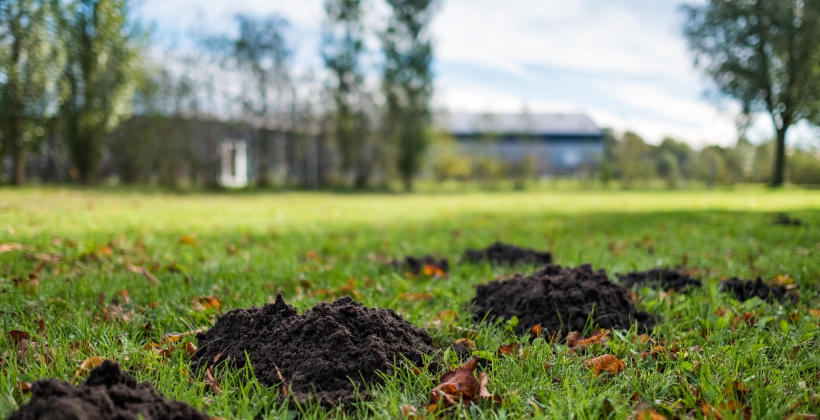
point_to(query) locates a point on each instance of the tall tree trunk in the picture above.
(407, 181)
(778, 174)
(19, 165)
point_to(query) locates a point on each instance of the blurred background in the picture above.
(404, 94)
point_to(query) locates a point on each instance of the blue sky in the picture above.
(623, 62)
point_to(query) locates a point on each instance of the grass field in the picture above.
(86, 248)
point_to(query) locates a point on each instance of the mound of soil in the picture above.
(744, 290)
(416, 265)
(560, 299)
(783, 219)
(108, 393)
(505, 254)
(658, 278)
(325, 354)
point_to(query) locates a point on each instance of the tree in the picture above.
(27, 77)
(408, 82)
(342, 46)
(632, 159)
(259, 57)
(102, 48)
(765, 54)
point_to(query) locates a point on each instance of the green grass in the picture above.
(246, 247)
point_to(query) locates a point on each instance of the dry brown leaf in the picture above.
(607, 363)
(815, 312)
(213, 384)
(88, 364)
(408, 296)
(535, 331)
(204, 303)
(17, 336)
(649, 414)
(431, 270)
(507, 349)
(187, 240)
(11, 246)
(460, 386)
(190, 349)
(24, 387)
(408, 411)
(283, 387)
(465, 342)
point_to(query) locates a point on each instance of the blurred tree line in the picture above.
(74, 72)
(81, 93)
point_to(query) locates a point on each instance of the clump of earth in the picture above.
(744, 290)
(416, 265)
(108, 393)
(659, 278)
(505, 254)
(783, 219)
(560, 299)
(324, 354)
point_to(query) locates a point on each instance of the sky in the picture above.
(622, 62)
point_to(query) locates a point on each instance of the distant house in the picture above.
(560, 144)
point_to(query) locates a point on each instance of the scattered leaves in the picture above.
(460, 387)
(205, 303)
(88, 364)
(607, 363)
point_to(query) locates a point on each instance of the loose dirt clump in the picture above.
(744, 290)
(108, 393)
(427, 264)
(325, 354)
(659, 278)
(783, 219)
(505, 254)
(560, 299)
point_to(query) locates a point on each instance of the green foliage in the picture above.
(102, 47)
(28, 59)
(765, 54)
(407, 82)
(342, 46)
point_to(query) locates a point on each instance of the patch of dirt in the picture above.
(783, 219)
(744, 290)
(416, 265)
(559, 299)
(659, 278)
(505, 254)
(322, 355)
(108, 393)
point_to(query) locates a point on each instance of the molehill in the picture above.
(505, 254)
(323, 355)
(744, 290)
(659, 278)
(560, 299)
(108, 393)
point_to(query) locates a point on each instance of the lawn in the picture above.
(106, 273)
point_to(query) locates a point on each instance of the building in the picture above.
(560, 144)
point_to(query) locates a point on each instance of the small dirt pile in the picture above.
(323, 354)
(658, 278)
(108, 393)
(560, 299)
(506, 254)
(783, 219)
(744, 290)
(428, 265)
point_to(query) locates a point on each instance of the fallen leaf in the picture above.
(187, 240)
(213, 384)
(408, 411)
(607, 363)
(465, 342)
(431, 270)
(801, 416)
(648, 414)
(507, 350)
(284, 385)
(190, 349)
(815, 312)
(17, 336)
(204, 303)
(11, 246)
(460, 386)
(535, 331)
(88, 364)
(24, 387)
(408, 296)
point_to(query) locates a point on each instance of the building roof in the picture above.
(521, 123)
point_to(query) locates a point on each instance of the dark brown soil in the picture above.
(416, 265)
(783, 219)
(506, 254)
(744, 290)
(659, 278)
(325, 354)
(108, 393)
(560, 299)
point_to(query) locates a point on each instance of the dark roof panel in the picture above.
(533, 124)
